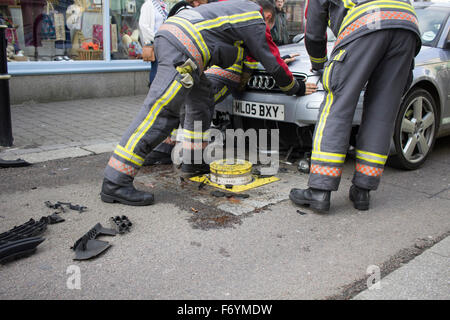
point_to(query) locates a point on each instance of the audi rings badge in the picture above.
(261, 82)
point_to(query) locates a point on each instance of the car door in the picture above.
(444, 74)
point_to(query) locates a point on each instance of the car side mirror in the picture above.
(298, 38)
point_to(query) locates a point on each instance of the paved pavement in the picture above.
(258, 248)
(55, 130)
(425, 277)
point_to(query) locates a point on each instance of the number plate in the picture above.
(258, 110)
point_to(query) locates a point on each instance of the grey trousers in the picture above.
(160, 113)
(198, 118)
(382, 60)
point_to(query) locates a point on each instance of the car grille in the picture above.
(265, 82)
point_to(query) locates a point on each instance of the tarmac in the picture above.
(71, 129)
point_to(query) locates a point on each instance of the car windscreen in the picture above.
(431, 22)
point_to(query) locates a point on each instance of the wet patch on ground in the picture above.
(207, 211)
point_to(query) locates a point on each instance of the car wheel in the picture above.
(415, 130)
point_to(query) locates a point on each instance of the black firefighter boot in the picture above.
(314, 198)
(128, 195)
(360, 197)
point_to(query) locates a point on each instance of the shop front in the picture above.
(74, 49)
(71, 49)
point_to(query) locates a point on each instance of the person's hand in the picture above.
(310, 88)
(148, 54)
(291, 57)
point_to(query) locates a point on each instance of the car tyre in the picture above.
(415, 130)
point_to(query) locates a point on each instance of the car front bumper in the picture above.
(302, 111)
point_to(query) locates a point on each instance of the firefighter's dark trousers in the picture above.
(382, 60)
(198, 120)
(196, 137)
(159, 114)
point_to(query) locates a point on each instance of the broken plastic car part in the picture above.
(29, 229)
(121, 224)
(60, 205)
(19, 248)
(54, 218)
(88, 247)
(21, 241)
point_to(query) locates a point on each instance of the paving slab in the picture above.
(426, 277)
(49, 155)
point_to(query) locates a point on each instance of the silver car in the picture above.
(424, 114)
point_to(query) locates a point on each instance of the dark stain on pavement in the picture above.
(166, 185)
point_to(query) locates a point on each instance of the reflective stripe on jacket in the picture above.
(350, 19)
(215, 33)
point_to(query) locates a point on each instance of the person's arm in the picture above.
(147, 28)
(260, 44)
(316, 32)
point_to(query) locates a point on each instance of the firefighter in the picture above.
(376, 45)
(162, 153)
(186, 45)
(227, 81)
(224, 82)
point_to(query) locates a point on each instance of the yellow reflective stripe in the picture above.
(348, 4)
(235, 68)
(327, 160)
(251, 65)
(328, 157)
(289, 86)
(371, 157)
(217, 22)
(195, 135)
(220, 94)
(318, 60)
(372, 154)
(329, 102)
(237, 65)
(152, 115)
(338, 56)
(240, 57)
(371, 160)
(374, 5)
(196, 35)
(132, 157)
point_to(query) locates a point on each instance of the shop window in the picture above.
(295, 16)
(53, 30)
(62, 30)
(125, 42)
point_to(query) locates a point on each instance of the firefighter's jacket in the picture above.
(219, 32)
(351, 19)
